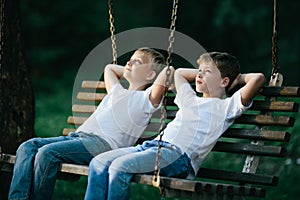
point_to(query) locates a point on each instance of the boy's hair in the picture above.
(227, 64)
(157, 60)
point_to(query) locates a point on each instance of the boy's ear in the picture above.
(225, 82)
(151, 75)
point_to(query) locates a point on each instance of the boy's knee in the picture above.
(97, 168)
(100, 161)
(94, 164)
(120, 165)
(46, 153)
(27, 146)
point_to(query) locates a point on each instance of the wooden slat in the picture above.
(89, 96)
(83, 108)
(240, 133)
(200, 187)
(93, 84)
(66, 131)
(265, 120)
(76, 120)
(242, 178)
(280, 91)
(74, 169)
(8, 158)
(262, 105)
(262, 120)
(68, 168)
(250, 149)
(267, 105)
(280, 136)
(216, 191)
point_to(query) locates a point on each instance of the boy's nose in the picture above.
(200, 74)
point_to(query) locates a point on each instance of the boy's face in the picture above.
(137, 68)
(208, 78)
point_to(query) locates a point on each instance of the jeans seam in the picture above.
(47, 168)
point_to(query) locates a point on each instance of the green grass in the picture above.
(53, 105)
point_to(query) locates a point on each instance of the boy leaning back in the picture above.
(188, 139)
(118, 122)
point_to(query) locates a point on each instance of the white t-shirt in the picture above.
(200, 121)
(121, 117)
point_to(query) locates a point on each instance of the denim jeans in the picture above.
(38, 160)
(110, 173)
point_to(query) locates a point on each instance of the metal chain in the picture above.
(156, 177)
(275, 41)
(172, 30)
(112, 31)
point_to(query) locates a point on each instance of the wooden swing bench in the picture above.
(260, 132)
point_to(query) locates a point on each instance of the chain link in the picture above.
(112, 31)
(172, 30)
(156, 177)
(275, 67)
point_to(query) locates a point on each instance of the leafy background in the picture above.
(57, 36)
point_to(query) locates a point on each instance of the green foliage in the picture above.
(59, 34)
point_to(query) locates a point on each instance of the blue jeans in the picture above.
(39, 159)
(110, 173)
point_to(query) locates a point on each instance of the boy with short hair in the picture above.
(188, 139)
(118, 121)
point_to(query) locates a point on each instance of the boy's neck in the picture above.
(137, 86)
(217, 94)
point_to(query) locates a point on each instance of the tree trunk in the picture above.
(17, 100)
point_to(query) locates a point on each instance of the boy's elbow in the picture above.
(108, 67)
(112, 68)
(261, 79)
(179, 71)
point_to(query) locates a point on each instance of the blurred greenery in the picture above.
(58, 35)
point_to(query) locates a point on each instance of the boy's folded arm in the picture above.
(159, 86)
(184, 75)
(112, 75)
(253, 83)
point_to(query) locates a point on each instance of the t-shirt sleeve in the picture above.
(148, 104)
(235, 107)
(184, 94)
(116, 87)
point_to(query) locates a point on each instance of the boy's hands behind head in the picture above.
(236, 84)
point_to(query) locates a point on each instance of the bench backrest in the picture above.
(261, 131)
